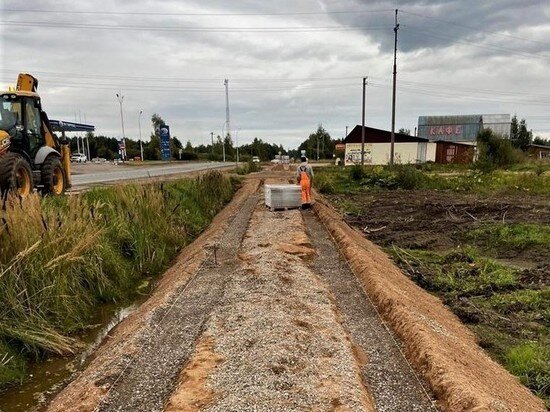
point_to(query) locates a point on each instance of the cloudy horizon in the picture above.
(291, 65)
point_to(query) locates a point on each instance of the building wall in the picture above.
(462, 128)
(431, 151)
(379, 153)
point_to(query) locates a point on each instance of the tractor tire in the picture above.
(15, 175)
(53, 177)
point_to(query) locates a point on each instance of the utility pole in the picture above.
(223, 141)
(88, 141)
(226, 84)
(77, 137)
(140, 141)
(317, 146)
(346, 132)
(212, 138)
(120, 98)
(363, 121)
(392, 148)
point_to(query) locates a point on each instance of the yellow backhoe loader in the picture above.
(31, 155)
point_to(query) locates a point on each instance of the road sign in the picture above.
(165, 142)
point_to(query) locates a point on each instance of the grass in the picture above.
(518, 236)
(511, 320)
(61, 257)
(456, 274)
(360, 179)
(248, 167)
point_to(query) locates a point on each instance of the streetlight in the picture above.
(140, 141)
(120, 100)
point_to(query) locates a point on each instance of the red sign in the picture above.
(445, 130)
(340, 147)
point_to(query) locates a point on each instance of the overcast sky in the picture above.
(291, 64)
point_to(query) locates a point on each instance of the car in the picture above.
(255, 159)
(79, 158)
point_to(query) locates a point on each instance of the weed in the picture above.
(531, 363)
(61, 257)
(357, 172)
(325, 184)
(508, 237)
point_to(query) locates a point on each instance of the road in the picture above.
(90, 174)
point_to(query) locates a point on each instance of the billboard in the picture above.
(165, 142)
(353, 154)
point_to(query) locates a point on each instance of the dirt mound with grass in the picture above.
(460, 373)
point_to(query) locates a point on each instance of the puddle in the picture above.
(49, 376)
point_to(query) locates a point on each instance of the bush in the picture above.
(357, 172)
(495, 151)
(408, 177)
(325, 184)
(187, 156)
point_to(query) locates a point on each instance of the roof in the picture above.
(373, 135)
(539, 146)
(19, 93)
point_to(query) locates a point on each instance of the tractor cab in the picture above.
(20, 118)
(31, 155)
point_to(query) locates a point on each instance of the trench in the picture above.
(48, 376)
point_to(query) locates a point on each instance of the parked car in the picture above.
(79, 158)
(255, 159)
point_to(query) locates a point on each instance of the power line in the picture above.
(190, 29)
(179, 79)
(477, 29)
(489, 46)
(125, 13)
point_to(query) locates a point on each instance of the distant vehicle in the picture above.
(79, 158)
(276, 161)
(255, 159)
(99, 160)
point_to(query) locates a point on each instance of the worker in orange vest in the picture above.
(304, 177)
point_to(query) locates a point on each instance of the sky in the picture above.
(291, 65)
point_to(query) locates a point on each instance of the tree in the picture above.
(524, 136)
(540, 141)
(514, 130)
(404, 131)
(318, 145)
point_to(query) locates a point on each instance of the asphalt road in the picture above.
(86, 175)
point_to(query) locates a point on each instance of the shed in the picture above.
(453, 152)
(539, 151)
(407, 149)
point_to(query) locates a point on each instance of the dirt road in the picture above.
(260, 314)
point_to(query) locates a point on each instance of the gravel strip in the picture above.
(389, 377)
(149, 379)
(278, 330)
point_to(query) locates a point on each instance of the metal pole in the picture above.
(223, 142)
(140, 141)
(212, 138)
(346, 132)
(120, 100)
(77, 137)
(392, 146)
(363, 122)
(88, 141)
